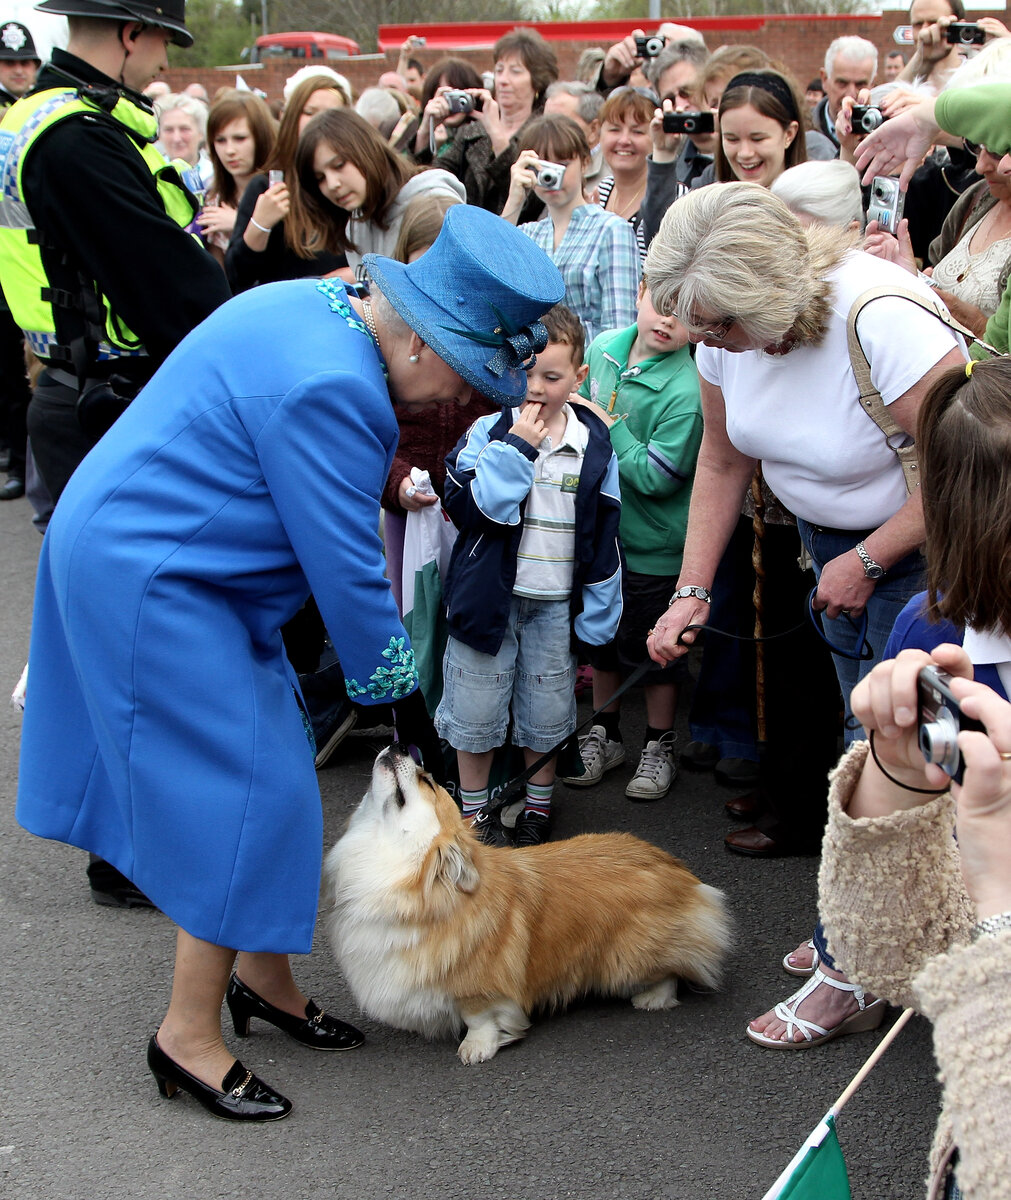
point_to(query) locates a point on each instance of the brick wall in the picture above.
(798, 42)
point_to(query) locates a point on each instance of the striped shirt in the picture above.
(544, 560)
(635, 220)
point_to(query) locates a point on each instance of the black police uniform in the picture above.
(97, 208)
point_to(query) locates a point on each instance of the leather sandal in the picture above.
(868, 1016)
(802, 972)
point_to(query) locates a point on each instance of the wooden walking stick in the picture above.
(758, 525)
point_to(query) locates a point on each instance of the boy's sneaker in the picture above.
(531, 829)
(488, 830)
(599, 754)
(656, 770)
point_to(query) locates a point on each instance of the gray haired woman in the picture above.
(768, 300)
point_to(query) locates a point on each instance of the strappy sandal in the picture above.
(802, 972)
(867, 1017)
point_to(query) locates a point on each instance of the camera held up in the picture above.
(650, 45)
(941, 720)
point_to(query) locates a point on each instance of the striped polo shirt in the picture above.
(545, 559)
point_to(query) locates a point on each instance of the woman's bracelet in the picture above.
(898, 782)
(261, 228)
(991, 926)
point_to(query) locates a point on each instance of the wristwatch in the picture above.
(700, 593)
(872, 570)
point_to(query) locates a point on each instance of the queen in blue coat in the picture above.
(246, 475)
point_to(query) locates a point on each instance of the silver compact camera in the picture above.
(461, 102)
(886, 204)
(549, 175)
(865, 118)
(650, 46)
(941, 720)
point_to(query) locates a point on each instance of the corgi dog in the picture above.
(435, 931)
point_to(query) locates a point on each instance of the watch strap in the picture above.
(869, 564)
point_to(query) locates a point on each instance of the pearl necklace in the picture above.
(369, 319)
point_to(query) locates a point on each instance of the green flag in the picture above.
(818, 1169)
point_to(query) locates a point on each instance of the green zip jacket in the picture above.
(656, 444)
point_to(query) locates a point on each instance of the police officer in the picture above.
(95, 261)
(19, 64)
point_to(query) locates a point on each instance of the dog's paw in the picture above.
(479, 1047)
(661, 995)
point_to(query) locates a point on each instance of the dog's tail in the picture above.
(706, 939)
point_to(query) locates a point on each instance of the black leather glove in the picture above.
(416, 732)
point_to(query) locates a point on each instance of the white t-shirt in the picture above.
(800, 413)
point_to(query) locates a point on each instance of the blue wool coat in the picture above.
(161, 729)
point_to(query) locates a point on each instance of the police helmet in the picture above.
(16, 43)
(167, 14)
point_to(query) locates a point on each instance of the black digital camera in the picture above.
(650, 45)
(865, 118)
(941, 721)
(462, 102)
(965, 33)
(689, 122)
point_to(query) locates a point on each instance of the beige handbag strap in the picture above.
(899, 440)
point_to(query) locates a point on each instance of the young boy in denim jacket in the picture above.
(534, 494)
(643, 383)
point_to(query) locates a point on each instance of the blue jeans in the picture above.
(891, 594)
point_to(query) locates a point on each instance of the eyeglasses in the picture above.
(975, 148)
(716, 330)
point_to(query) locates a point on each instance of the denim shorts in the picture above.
(534, 673)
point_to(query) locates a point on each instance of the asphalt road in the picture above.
(600, 1103)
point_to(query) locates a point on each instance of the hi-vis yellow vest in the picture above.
(31, 298)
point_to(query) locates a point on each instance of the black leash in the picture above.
(862, 652)
(508, 792)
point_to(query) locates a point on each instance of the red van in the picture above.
(313, 47)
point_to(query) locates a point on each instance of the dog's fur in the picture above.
(434, 930)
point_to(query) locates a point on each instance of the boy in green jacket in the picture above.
(643, 384)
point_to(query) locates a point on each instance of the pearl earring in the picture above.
(412, 358)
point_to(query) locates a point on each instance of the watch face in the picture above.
(874, 572)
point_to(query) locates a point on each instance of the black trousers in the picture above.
(58, 441)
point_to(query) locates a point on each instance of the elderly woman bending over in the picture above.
(769, 302)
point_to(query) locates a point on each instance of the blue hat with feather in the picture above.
(476, 297)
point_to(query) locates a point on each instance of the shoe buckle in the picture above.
(317, 1019)
(237, 1091)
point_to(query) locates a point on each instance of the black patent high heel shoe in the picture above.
(316, 1029)
(243, 1097)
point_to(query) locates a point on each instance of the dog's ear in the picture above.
(457, 868)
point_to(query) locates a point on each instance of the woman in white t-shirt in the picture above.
(768, 300)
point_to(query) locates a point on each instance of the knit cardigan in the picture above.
(898, 919)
